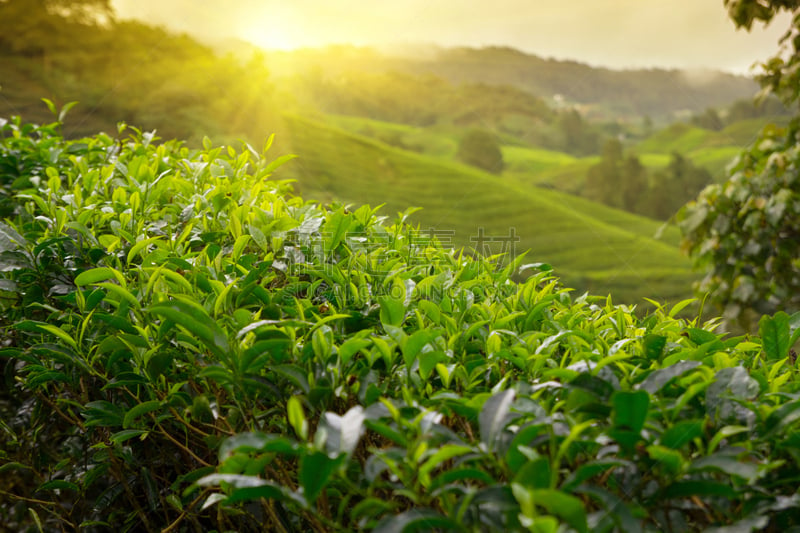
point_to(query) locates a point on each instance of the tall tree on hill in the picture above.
(745, 233)
(578, 137)
(616, 180)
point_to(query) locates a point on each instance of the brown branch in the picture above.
(182, 447)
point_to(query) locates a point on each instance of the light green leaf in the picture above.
(392, 310)
(297, 418)
(95, 275)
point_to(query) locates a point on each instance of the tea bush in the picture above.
(188, 346)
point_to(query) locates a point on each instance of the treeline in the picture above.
(745, 109)
(620, 180)
(126, 71)
(429, 101)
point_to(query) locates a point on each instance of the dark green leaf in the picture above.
(657, 379)
(58, 484)
(728, 464)
(197, 321)
(685, 489)
(654, 346)
(775, 335)
(534, 474)
(140, 410)
(630, 410)
(422, 520)
(682, 433)
(316, 469)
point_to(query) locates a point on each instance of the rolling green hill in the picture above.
(592, 247)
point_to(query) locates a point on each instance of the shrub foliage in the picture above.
(188, 346)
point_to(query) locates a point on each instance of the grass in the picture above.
(590, 245)
(534, 160)
(422, 140)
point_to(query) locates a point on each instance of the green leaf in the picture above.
(567, 507)
(295, 374)
(126, 434)
(731, 386)
(494, 416)
(58, 484)
(50, 105)
(197, 321)
(322, 342)
(446, 452)
(682, 433)
(654, 346)
(335, 229)
(416, 342)
(65, 109)
(630, 410)
(428, 361)
(680, 306)
(729, 464)
(268, 490)
(450, 476)
(95, 275)
(121, 292)
(701, 336)
(139, 410)
(685, 489)
(656, 380)
(782, 417)
(350, 347)
(60, 333)
(297, 418)
(10, 239)
(103, 413)
(775, 335)
(534, 474)
(392, 310)
(418, 519)
(316, 470)
(670, 460)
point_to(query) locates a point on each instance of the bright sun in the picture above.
(272, 36)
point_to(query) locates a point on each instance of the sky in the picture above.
(688, 34)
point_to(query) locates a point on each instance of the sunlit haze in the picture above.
(614, 33)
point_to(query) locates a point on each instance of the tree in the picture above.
(578, 137)
(745, 233)
(709, 120)
(616, 180)
(480, 149)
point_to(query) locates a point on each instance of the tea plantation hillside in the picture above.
(188, 346)
(593, 247)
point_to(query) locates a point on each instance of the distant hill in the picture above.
(656, 93)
